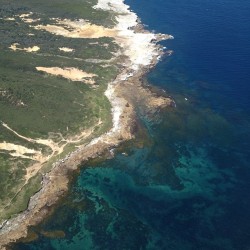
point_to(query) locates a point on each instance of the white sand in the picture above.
(65, 49)
(15, 47)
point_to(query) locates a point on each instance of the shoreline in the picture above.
(55, 183)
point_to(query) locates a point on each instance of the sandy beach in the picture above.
(142, 53)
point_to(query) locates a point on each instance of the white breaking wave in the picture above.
(137, 46)
(116, 107)
(117, 6)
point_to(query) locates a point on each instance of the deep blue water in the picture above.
(188, 188)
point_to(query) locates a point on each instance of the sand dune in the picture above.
(72, 74)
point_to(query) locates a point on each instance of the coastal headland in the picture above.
(139, 52)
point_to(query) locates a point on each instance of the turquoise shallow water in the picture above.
(189, 187)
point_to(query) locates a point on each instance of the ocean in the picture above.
(188, 186)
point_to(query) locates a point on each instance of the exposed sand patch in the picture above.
(14, 47)
(10, 19)
(20, 151)
(32, 49)
(65, 49)
(77, 29)
(72, 74)
(30, 20)
(25, 15)
(27, 19)
(47, 142)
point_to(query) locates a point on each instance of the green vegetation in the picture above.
(50, 103)
(38, 105)
(77, 9)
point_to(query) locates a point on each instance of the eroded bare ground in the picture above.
(77, 29)
(56, 149)
(15, 47)
(72, 74)
(66, 49)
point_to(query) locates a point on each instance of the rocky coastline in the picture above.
(56, 182)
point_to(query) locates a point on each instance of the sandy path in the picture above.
(41, 159)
